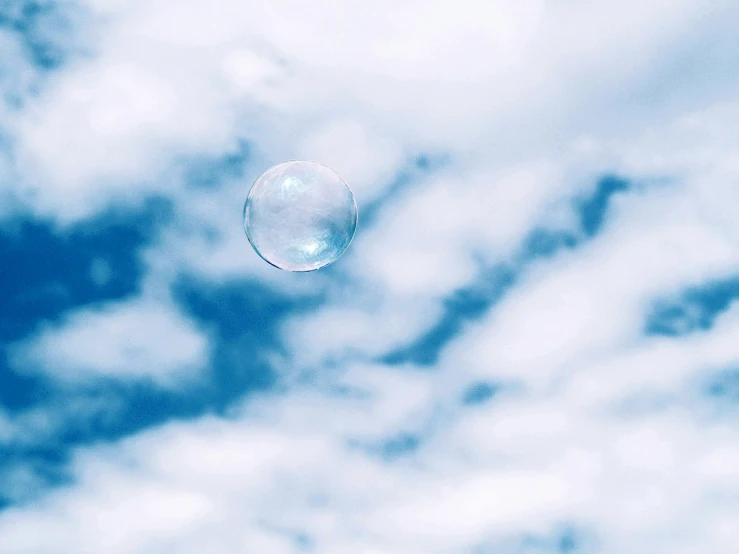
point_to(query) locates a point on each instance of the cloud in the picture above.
(134, 339)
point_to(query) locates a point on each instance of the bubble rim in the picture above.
(249, 196)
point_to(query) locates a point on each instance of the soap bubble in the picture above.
(300, 216)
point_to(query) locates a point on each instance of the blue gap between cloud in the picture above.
(723, 386)
(466, 304)
(45, 273)
(594, 208)
(46, 29)
(210, 173)
(693, 309)
(479, 393)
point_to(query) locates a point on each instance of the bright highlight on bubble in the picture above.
(300, 216)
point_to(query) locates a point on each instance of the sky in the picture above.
(531, 346)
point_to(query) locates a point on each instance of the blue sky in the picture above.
(530, 347)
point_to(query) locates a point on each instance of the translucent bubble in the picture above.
(300, 216)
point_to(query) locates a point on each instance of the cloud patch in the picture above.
(134, 339)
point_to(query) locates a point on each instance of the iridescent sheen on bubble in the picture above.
(300, 216)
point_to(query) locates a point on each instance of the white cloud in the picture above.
(357, 327)
(131, 339)
(355, 149)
